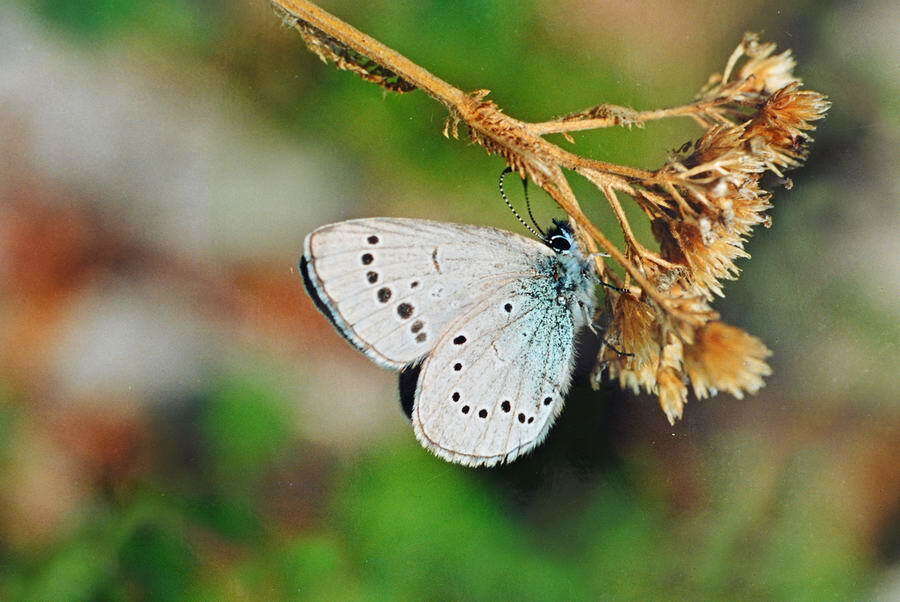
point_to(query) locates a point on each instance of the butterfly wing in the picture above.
(391, 286)
(496, 381)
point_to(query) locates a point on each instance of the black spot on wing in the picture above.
(409, 376)
(320, 305)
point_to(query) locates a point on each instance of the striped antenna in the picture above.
(505, 198)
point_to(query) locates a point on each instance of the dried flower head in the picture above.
(632, 326)
(765, 72)
(782, 122)
(707, 254)
(725, 358)
(703, 206)
(672, 392)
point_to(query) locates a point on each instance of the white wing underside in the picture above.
(481, 283)
(495, 396)
(440, 281)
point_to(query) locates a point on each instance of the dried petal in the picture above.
(763, 72)
(785, 116)
(725, 358)
(633, 329)
(683, 243)
(672, 393)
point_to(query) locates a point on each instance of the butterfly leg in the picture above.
(588, 318)
(602, 282)
(613, 287)
(600, 332)
(619, 352)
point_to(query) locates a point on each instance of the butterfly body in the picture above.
(487, 319)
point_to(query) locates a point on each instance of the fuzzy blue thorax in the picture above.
(576, 277)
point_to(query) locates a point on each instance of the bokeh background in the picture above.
(177, 421)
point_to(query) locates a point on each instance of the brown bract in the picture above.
(703, 203)
(725, 358)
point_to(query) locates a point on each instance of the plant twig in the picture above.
(611, 116)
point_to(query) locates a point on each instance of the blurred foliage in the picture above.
(229, 503)
(401, 525)
(168, 21)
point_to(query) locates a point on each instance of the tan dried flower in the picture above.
(725, 358)
(633, 326)
(672, 393)
(670, 381)
(765, 73)
(709, 258)
(743, 206)
(717, 142)
(783, 120)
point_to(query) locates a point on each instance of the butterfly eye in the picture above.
(560, 244)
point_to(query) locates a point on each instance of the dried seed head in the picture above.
(725, 358)
(765, 73)
(784, 118)
(672, 393)
(708, 263)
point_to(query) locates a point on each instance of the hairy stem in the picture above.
(636, 118)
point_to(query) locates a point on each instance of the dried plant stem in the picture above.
(630, 239)
(468, 107)
(638, 118)
(682, 204)
(375, 50)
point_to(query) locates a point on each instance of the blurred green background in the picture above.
(177, 421)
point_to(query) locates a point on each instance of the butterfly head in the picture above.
(561, 238)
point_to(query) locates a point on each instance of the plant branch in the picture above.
(516, 140)
(604, 116)
(300, 12)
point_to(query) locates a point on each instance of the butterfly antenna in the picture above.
(513, 209)
(528, 206)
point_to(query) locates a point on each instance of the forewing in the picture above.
(497, 379)
(391, 286)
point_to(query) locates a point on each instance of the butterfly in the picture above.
(482, 323)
